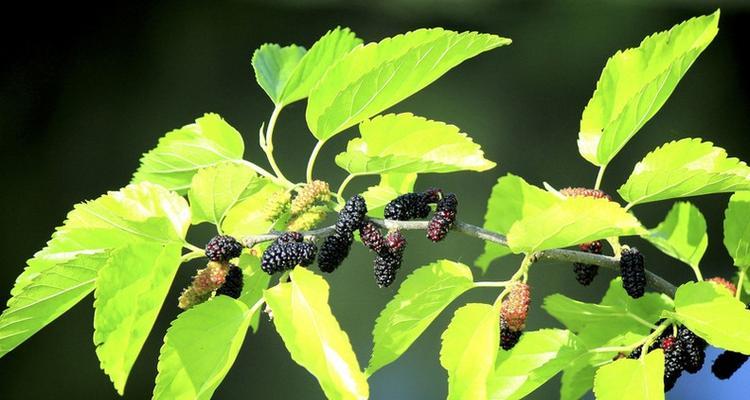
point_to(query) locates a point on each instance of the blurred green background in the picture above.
(82, 96)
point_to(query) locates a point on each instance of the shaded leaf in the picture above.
(255, 283)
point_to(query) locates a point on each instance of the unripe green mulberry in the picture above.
(277, 205)
(308, 219)
(189, 298)
(315, 191)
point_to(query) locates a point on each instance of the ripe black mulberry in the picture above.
(385, 268)
(585, 273)
(333, 251)
(445, 216)
(232, 286)
(695, 349)
(633, 272)
(281, 256)
(508, 337)
(352, 216)
(223, 248)
(409, 206)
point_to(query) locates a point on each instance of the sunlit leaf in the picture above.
(682, 234)
(641, 378)
(182, 152)
(737, 229)
(390, 187)
(130, 290)
(248, 216)
(405, 143)
(470, 345)
(420, 299)
(537, 357)
(371, 78)
(274, 66)
(713, 314)
(200, 348)
(636, 83)
(512, 199)
(313, 337)
(687, 167)
(255, 282)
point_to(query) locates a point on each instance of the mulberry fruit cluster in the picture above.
(233, 283)
(683, 352)
(204, 283)
(335, 248)
(388, 260)
(444, 217)
(585, 273)
(223, 248)
(286, 252)
(633, 272)
(513, 314)
(411, 205)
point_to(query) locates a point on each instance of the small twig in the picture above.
(572, 256)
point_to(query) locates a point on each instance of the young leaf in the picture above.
(274, 66)
(47, 297)
(420, 299)
(371, 78)
(137, 212)
(405, 143)
(313, 336)
(255, 282)
(130, 290)
(537, 357)
(216, 189)
(470, 345)
(512, 199)
(200, 348)
(390, 187)
(682, 234)
(641, 378)
(713, 314)
(737, 229)
(182, 152)
(572, 221)
(636, 83)
(687, 167)
(328, 50)
(248, 216)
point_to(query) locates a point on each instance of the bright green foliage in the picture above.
(687, 167)
(632, 379)
(572, 221)
(216, 189)
(47, 297)
(182, 152)
(371, 78)
(537, 357)
(512, 199)
(420, 299)
(200, 348)
(287, 74)
(390, 187)
(138, 212)
(248, 216)
(682, 234)
(737, 229)
(313, 336)
(576, 381)
(130, 290)
(713, 314)
(405, 143)
(636, 83)
(470, 345)
(255, 283)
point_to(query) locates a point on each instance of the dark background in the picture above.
(83, 92)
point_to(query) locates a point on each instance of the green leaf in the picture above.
(714, 314)
(571, 221)
(216, 189)
(405, 143)
(641, 379)
(636, 83)
(537, 357)
(130, 290)
(313, 336)
(512, 199)
(182, 152)
(470, 345)
(328, 50)
(200, 348)
(138, 212)
(687, 167)
(255, 282)
(372, 78)
(390, 187)
(47, 297)
(737, 229)
(274, 66)
(420, 299)
(248, 216)
(682, 234)
(575, 382)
